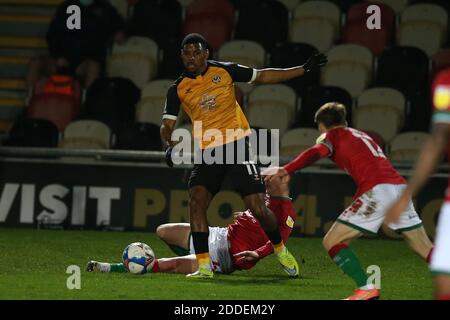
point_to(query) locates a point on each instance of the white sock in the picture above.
(368, 286)
(104, 267)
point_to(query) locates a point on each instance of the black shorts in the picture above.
(244, 175)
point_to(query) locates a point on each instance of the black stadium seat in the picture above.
(315, 97)
(112, 101)
(263, 21)
(28, 132)
(405, 69)
(285, 55)
(138, 136)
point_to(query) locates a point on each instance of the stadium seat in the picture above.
(272, 106)
(394, 70)
(86, 134)
(247, 53)
(121, 7)
(216, 29)
(112, 101)
(441, 60)
(56, 99)
(138, 136)
(136, 60)
(355, 30)
(295, 141)
(350, 67)
(151, 106)
(285, 55)
(215, 9)
(315, 23)
(263, 21)
(290, 4)
(170, 66)
(380, 110)
(344, 5)
(150, 17)
(406, 146)
(28, 132)
(315, 97)
(423, 26)
(397, 5)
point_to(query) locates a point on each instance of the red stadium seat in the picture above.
(356, 31)
(216, 8)
(215, 29)
(56, 99)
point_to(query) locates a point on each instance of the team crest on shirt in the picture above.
(441, 97)
(216, 79)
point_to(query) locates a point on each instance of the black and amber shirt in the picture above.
(210, 99)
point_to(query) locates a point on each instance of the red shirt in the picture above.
(356, 153)
(441, 106)
(246, 234)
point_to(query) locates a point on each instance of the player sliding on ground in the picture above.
(238, 247)
(379, 185)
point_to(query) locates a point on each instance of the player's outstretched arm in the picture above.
(276, 75)
(427, 162)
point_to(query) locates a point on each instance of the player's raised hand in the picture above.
(395, 211)
(317, 60)
(247, 255)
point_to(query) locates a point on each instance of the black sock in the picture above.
(274, 236)
(200, 240)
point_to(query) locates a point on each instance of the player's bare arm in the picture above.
(429, 158)
(166, 130)
(276, 75)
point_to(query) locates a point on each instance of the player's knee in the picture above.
(328, 242)
(161, 231)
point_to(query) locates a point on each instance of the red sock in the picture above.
(443, 297)
(335, 249)
(428, 259)
(155, 267)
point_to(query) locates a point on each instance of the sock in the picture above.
(275, 238)
(443, 297)
(278, 248)
(117, 267)
(428, 259)
(155, 267)
(200, 240)
(179, 251)
(344, 257)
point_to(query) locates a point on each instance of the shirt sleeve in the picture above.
(326, 139)
(172, 105)
(441, 104)
(240, 73)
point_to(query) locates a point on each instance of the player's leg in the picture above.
(249, 184)
(440, 260)
(418, 241)
(176, 236)
(336, 242)
(410, 226)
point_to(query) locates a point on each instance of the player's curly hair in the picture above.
(195, 38)
(331, 114)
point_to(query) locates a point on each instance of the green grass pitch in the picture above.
(34, 262)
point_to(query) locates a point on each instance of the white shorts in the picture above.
(219, 250)
(440, 258)
(367, 213)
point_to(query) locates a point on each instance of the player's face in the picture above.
(194, 57)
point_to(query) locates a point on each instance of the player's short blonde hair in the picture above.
(331, 114)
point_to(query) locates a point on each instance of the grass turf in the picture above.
(33, 266)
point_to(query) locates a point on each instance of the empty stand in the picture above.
(86, 134)
(151, 105)
(33, 133)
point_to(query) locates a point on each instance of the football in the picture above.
(138, 258)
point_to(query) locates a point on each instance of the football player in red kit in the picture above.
(237, 247)
(378, 186)
(430, 156)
